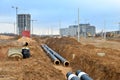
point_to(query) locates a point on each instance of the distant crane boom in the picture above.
(10, 23)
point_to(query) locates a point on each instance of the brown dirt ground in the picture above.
(5, 37)
(37, 67)
(86, 58)
(40, 67)
(116, 40)
(102, 43)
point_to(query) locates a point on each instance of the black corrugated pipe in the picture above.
(25, 52)
(54, 59)
(63, 60)
(71, 76)
(82, 75)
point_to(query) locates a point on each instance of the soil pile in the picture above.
(25, 39)
(37, 67)
(86, 58)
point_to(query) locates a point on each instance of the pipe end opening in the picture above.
(57, 62)
(66, 63)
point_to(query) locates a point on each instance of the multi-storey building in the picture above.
(85, 30)
(23, 23)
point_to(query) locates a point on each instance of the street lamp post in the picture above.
(14, 27)
(59, 26)
(119, 28)
(16, 8)
(104, 29)
(78, 27)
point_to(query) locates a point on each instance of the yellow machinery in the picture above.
(89, 34)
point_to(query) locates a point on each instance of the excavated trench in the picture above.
(81, 57)
(85, 58)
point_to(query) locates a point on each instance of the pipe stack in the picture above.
(83, 75)
(54, 59)
(71, 76)
(55, 54)
(79, 76)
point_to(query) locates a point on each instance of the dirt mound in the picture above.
(63, 41)
(37, 67)
(5, 37)
(86, 58)
(25, 39)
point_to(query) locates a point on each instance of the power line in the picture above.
(10, 23)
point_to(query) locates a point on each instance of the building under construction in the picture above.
(86, 30)
(24, 23)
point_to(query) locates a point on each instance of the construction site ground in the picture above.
(82, 55)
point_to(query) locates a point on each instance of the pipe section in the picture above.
(54, 59)
(83, 75)
(25, 52)
(71, 76)
(15, 52)
(63, 60)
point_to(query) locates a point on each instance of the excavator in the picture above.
(89, 34)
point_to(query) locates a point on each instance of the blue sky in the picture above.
(48, 13)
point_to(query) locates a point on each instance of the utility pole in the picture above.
(78, 27)
(59, 26)
(51, 31)
(119, 28)
(48, 33)
(104, 29)
(16, 8)
(14, 27)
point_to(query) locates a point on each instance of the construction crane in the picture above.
(9, 23)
